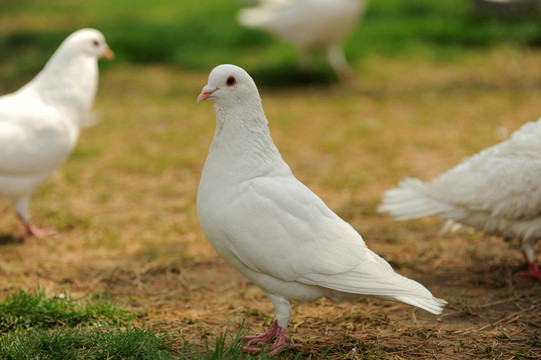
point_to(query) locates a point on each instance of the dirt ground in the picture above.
(492, 313)
(141, 244)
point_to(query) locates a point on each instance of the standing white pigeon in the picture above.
(497, 191)
(40, 122)
(309, 25)
(272, 228)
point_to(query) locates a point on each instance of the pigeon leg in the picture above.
(21, 208)
(260, 339)
(276, 332)
(338, 62)
(32, 230)
(533, 271)
(528, 252)
(282, 343)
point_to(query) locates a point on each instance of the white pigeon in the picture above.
(40, 122)
(309, 25)
(272, 228)
(497, 191)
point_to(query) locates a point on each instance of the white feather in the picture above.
(496, 191)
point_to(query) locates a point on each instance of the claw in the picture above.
(281, 341)
(260, 339)
(533, 271)
(32, 230)
(39, 233)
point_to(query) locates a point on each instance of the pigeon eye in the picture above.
(231, 81)
(95, 42)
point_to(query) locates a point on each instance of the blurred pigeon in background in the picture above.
(40, 122)
(320, 25)
(497, 191)
(272, 228)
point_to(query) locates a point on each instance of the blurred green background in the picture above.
(199, 34)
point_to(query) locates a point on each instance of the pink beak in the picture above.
(108, 54)
(205, 94)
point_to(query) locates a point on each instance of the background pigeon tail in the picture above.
(410, 201)
(254, 17)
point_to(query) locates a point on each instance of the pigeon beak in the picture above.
(206, 93)
(108, 54)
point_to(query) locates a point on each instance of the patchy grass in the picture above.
(124, 203)
(124, 207)
(89, 342)
(36, 326)
(24, 310)
(223, 348)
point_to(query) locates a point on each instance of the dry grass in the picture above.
(124, 205)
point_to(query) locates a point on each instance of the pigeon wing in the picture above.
(501, 180)
(33, 135)
(288, 232)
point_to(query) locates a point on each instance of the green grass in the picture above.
(86, 342)
(194, 35)
(25, 310)
(36, 326)
(223, 348)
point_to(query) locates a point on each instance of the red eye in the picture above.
(231, 81)
(95, 42)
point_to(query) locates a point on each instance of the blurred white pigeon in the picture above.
(309, 25)
(272, 228)
(40, 122)
(497, 191)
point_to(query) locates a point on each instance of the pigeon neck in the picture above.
(242, 139)
(68, 82)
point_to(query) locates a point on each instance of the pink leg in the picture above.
(281, 341)
(533, 271)
(260, 339)
(31, 230)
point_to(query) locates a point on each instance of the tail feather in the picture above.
(433, 305)
(380, 282)
(410, 201)
(413, 293)
(265, 13)
(255, 17)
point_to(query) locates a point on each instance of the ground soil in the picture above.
(141, 244)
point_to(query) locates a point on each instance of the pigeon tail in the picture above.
(432, 305)
(255, 17)
(371, 279)
(411, 201)
(412, 293)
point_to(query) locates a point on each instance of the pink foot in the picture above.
(281, 341)
(31, 230)
(533, 271)
(260, 339)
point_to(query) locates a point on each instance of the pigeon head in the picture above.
(229, 84)
(90, 42)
